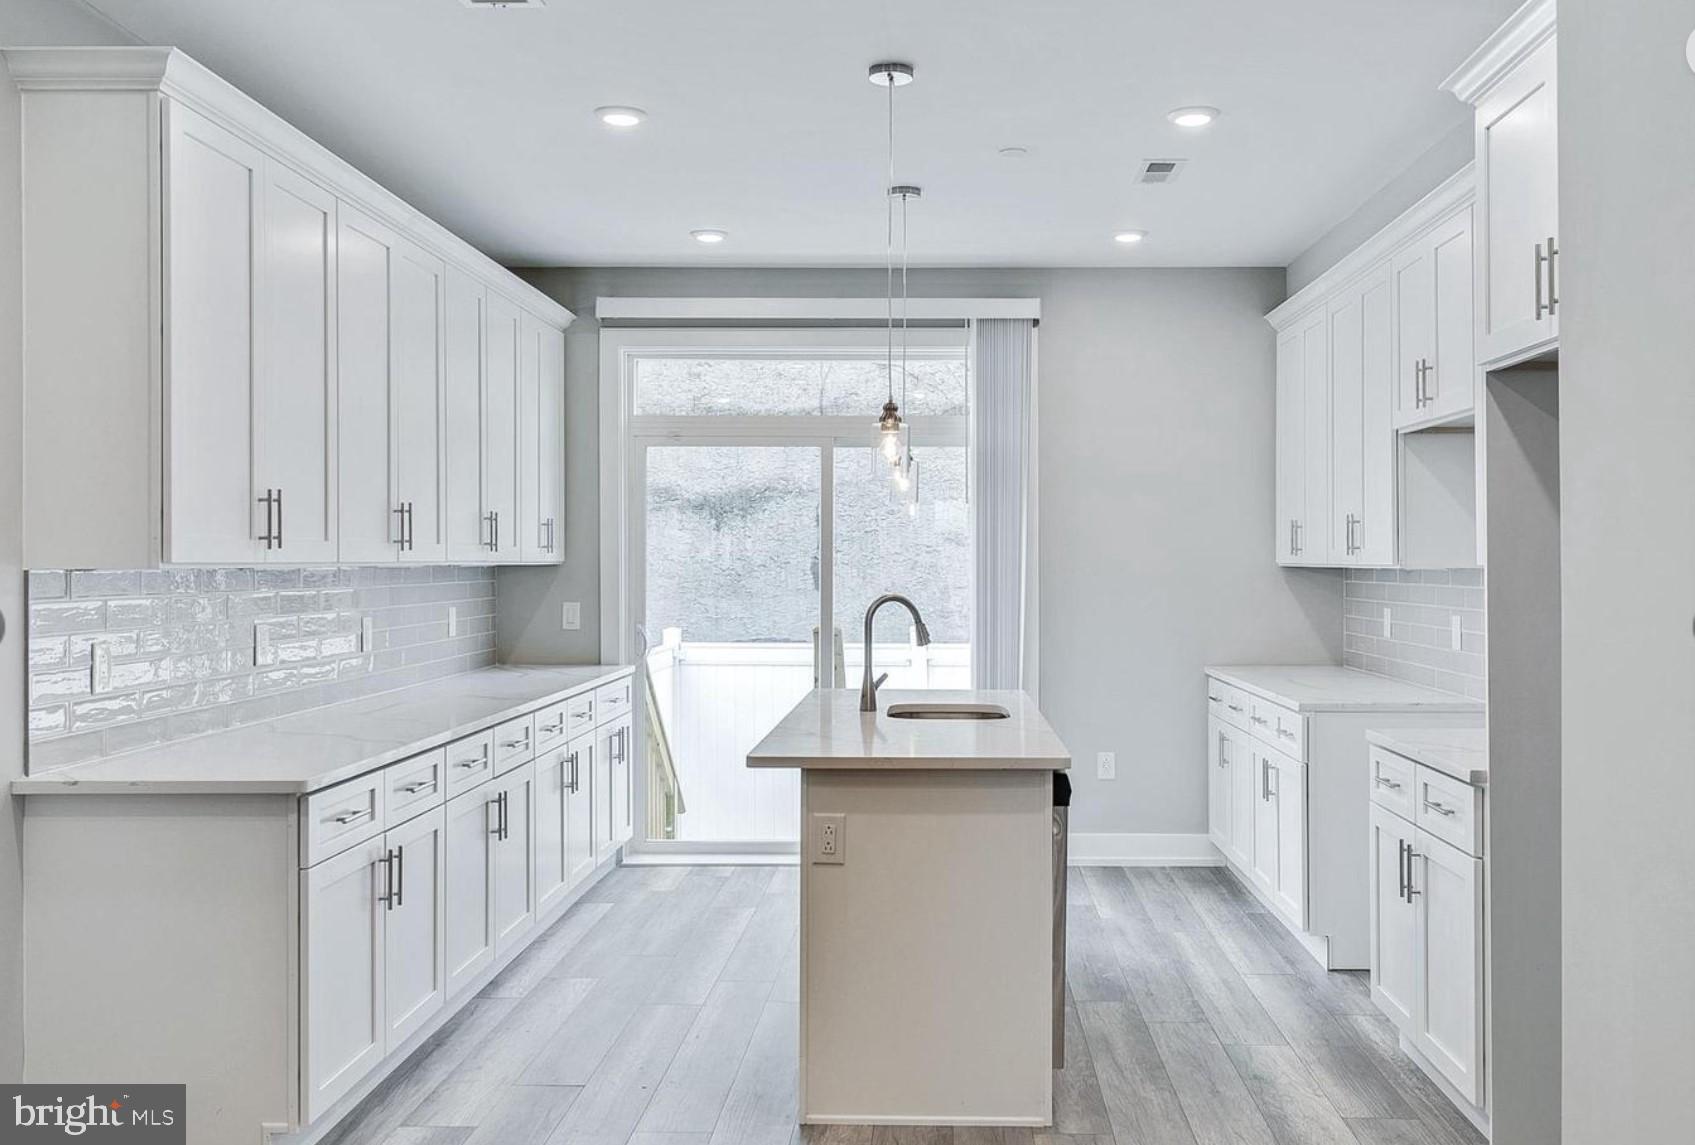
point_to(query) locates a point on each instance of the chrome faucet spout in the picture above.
(868, 689)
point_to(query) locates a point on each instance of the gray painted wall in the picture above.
(1156, 484)
(1627, 407)
(22, 23)
(1417, 180)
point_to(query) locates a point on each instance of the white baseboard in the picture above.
(1090, 849)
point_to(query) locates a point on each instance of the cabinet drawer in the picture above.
(1392, 782)
(1281, 727)
(414, 786)
(336, 818)
(553, 727)
(612, 700)
(579, 714)
(514, 743)
(1449, 809)
(470, 761)
(1227, 703)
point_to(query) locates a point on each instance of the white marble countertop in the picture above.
(827, 730)
(1329, 688)
(313, 749)
(1460, 752)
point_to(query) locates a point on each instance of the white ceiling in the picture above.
(762, 122)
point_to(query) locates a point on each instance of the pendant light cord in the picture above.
(905, 300)
(889, 243)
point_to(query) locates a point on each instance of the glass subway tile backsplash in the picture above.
(1419, 645)
(195, 650)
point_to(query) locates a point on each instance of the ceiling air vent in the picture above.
(504, 3)
(1160, 170)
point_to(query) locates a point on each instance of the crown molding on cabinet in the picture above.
(1452, 194)
(173, 72)
(629, 309)
(1525, 31)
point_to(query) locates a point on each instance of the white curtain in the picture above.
(1003, 431)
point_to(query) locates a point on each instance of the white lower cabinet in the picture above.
(1427, 941)
(513, 866)
(1219, 780)
(613, 826)
(470, 920)
(580, 859)
(1279, 818)
(552, 790)
(372, 937)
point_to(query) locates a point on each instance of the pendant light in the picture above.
(893, 454)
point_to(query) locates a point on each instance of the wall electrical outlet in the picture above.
(829, 838)
(571, 615)
(367, 633)
(99, 667)
(1454, 632)
(452, 620)
(1106, 765)
(1386, 622)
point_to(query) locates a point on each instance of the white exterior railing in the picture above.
(719, 700)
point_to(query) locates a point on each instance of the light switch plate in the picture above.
(829, 838)
(1106, 765)
(1454, 632)
(367, 633)
(571, 615)
(1386, 622)
(100, 667)
(452, 620)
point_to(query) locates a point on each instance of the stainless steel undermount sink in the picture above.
(947, 712)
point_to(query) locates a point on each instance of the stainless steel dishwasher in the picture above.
(1061, 827)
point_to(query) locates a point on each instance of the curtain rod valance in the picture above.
(810, 309)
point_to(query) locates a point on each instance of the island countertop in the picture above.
(827, 730)
(309, 750)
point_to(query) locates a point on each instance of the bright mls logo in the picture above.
(134, 1114)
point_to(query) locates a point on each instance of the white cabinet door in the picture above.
(500, 430)
(1266, 848)
(579, 808)
(605, 828)
(1289, 797)
(541, 396)
(1448, 1015)
(419, 401)
(1362, 434)
(1450, 380)
(468, 533)
(514, 857)
(622, 774)
(415, 925)
(1218, 785)
(1415, 332)
(1518, 173)
(471, 823)
(553, 787)
(1291, 452)
(1394, 919)
(341, 963)
(370, 526)
(1244, 796)
(294, 417)
(212, 237)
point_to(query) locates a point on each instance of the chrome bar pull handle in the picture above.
(1541, 307)
(1401, 868)
(399, 876)
(387, 862)
(279, 519)
(1553, 277)
(399, 512)
(1445, 812)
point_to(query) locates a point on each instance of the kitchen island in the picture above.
(927, 989)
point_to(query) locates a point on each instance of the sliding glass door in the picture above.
(759, 529)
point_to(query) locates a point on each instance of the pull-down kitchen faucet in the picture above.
(868, 690)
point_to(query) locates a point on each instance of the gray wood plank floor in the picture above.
(662, 1010)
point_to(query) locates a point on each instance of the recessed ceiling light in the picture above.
(1192, 116)
(620, 116)
(1014, 152)
(1129, 238)
(709, 236)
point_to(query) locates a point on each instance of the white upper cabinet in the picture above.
(541, 428)
(245, 346)
(1362, 437)
(1303, 465)
(213, 190)
(370, 523)
(419, 403)
(294, 432)
(1436, 361)
(1511, 83)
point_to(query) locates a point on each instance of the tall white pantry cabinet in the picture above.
(242, 350)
